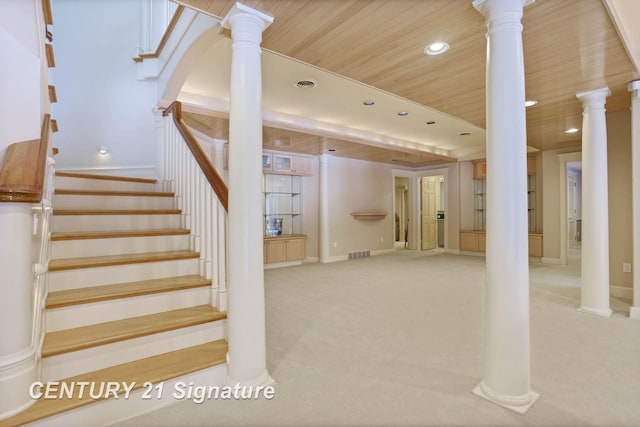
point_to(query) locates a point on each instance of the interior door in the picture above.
(428, 213)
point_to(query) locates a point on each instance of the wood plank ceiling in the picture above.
(569, 46)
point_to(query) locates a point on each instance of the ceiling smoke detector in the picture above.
(305, 84)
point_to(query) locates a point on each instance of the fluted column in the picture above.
(634, 88)
(506, 380)
(595, 205)
(246, 300)
(324, 209)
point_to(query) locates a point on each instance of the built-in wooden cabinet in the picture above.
(475, 241)
(284, 248)
(480, 167)
(287, 164)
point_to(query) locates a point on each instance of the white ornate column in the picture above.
(634, 88)
(595, 206)
(246, 333)
(506, 380)
(325, 249)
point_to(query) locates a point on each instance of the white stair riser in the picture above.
(111, 411)
(69, 183)
(95, 276)
(121, 245)
(76, 316)
(94, 358)
(64, 223)
(73, 201)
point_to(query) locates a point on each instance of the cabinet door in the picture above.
(468, 242)
(482, 242)
(301, 165)
(267, 162)
(281, 163)
(276, 250)
(295, 249)
(535, 245)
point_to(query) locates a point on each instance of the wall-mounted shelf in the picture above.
(369, 215)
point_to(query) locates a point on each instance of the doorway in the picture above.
(431, 212)
(401, 230)
(574, 209)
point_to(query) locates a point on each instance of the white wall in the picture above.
(21, 106)
(100, 102)
(356, 185)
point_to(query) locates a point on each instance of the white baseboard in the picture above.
(621, 292)
(282, 264)
(382, 251)
(634, 313)
(311, 259)
(548, 260)
(453, 251)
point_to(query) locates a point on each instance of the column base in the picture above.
(518, 404)
(597, 311)
(264, 380)
(634, 313)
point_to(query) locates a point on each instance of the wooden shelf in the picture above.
(369, 215)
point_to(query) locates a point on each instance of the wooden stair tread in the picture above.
(124, 290)
(62, 191)
(116, 211)
(105, 177)
(108, 260)
(75, 339)
(80, 235)
(154, 369)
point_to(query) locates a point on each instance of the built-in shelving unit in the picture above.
(282, 205)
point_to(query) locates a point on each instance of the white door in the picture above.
(428, 213)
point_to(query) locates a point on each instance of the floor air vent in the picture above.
(359, 254)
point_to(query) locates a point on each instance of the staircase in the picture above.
(126, 301)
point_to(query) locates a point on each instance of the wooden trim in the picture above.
(51, 61)
(117, 212)
(46, 11)
(216, 182)
(113, 193)
(53, 97)
(22, 175)
(165, 37)
(105, 177)
(369, 215)
(54, 125)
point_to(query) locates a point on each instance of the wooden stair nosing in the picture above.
(67, 192)
(105, 177)
(116, 211)
(71, 297)
(69, 340)
(154, 369)
(111, 260)
(85, 235)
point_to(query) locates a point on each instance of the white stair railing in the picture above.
(201, 195)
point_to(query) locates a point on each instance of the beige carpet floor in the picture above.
(396, 340)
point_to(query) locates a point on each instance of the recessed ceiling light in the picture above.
(530, 102)
(305, 84)
(431, 122)
(403, 113)
(572, 130)
(103, 150)
(331, 149)
(369, 102)
(464, 133)
(436, 48)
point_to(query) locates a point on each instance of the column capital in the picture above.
(490, 8)
(634, 87)
(595, 96)
(240, 10)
